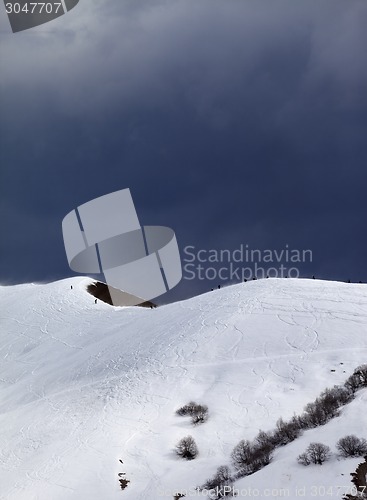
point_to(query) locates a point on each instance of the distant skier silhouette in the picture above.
(95, 301)
(71, 287)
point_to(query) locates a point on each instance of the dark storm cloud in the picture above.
(232, 122)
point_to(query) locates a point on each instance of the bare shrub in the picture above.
(352, 446)
(241, 454)
(198, 413)
(304, 459)
(320, 411)
(327, 405)
(343, 395)
(329, 400)
(221, 484)
(265, 439)
(361, 374)
(312, 415)
(187, 448)
(262, 456)
(248, 457)
(201, 416)
(316, 453)
(352, 383)
(357, 380)
(188, 409)
(286, 432)
(301, 421)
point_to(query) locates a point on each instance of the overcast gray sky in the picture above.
(233, 122)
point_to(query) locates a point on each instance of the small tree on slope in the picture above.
(187, 448)
(316, 453)
(352, 446)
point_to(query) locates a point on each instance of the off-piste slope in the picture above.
(83, 385)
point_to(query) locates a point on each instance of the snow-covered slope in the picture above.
(83, 385)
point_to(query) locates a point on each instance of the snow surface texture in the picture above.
(83, 385)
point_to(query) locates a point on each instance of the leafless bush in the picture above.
(201, 416)
(304, 459)
(265, 439)
(352, 446)
(344, 396)
(248, 457)
(357, 380)
(352, 383)
(316, 453)
(241, 454)
(198, 413)
(361, 374)
(188, 409)
(330, 401)
(221, 484)
(187, 448)
(286, 432)
(327, 405)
